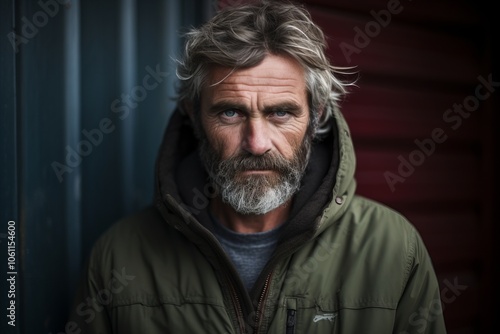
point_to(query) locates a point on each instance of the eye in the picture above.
(231, 116)
(281, 113)
(230, 113)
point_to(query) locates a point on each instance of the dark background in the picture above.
(75, 69)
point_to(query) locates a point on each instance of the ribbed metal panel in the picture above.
(72, 164)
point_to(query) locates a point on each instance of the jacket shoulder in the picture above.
(141, 225)
(143, 236)
(380, 235)
(377, 218)
(383, 230)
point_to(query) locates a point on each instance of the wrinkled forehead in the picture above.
(274, 74)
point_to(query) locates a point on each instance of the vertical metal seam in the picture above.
(128, 75)
(72, 131)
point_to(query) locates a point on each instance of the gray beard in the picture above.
(255, 194)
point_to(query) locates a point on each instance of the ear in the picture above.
(188, 107)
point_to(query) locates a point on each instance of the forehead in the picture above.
(276, 74)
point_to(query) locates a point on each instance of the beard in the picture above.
(255, 193)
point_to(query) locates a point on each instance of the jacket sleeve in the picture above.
(419, 309)
(89, 313)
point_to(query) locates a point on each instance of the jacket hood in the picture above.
(183, 189)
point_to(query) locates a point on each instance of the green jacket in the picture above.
(345, 264)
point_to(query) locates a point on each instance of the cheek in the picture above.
(224, 140)
(291, 137)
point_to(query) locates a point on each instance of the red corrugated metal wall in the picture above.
(422, 130)
(422, 123)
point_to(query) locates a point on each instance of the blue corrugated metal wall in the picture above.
(86, 90)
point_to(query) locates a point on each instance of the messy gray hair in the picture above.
(241, 36)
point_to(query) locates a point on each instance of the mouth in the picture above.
(257, 171)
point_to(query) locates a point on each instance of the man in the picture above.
(256, 227)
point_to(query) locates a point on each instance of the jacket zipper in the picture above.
(234, 294)
(261, 302)
(236, 301)
(291, 315)
(265, 289)
(210, 239)
(290, 321)
(239, 310)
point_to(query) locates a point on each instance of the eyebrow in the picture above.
(225, 105)
(284, 106)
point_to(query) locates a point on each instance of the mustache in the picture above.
(244, 162)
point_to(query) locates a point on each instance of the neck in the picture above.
(248, 223)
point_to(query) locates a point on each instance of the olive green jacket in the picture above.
(346, 264)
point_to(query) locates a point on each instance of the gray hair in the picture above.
(241, 36)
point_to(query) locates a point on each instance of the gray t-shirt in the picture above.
(248, 251)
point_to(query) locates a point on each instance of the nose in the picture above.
(256, 137)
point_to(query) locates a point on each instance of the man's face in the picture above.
(254, 140)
